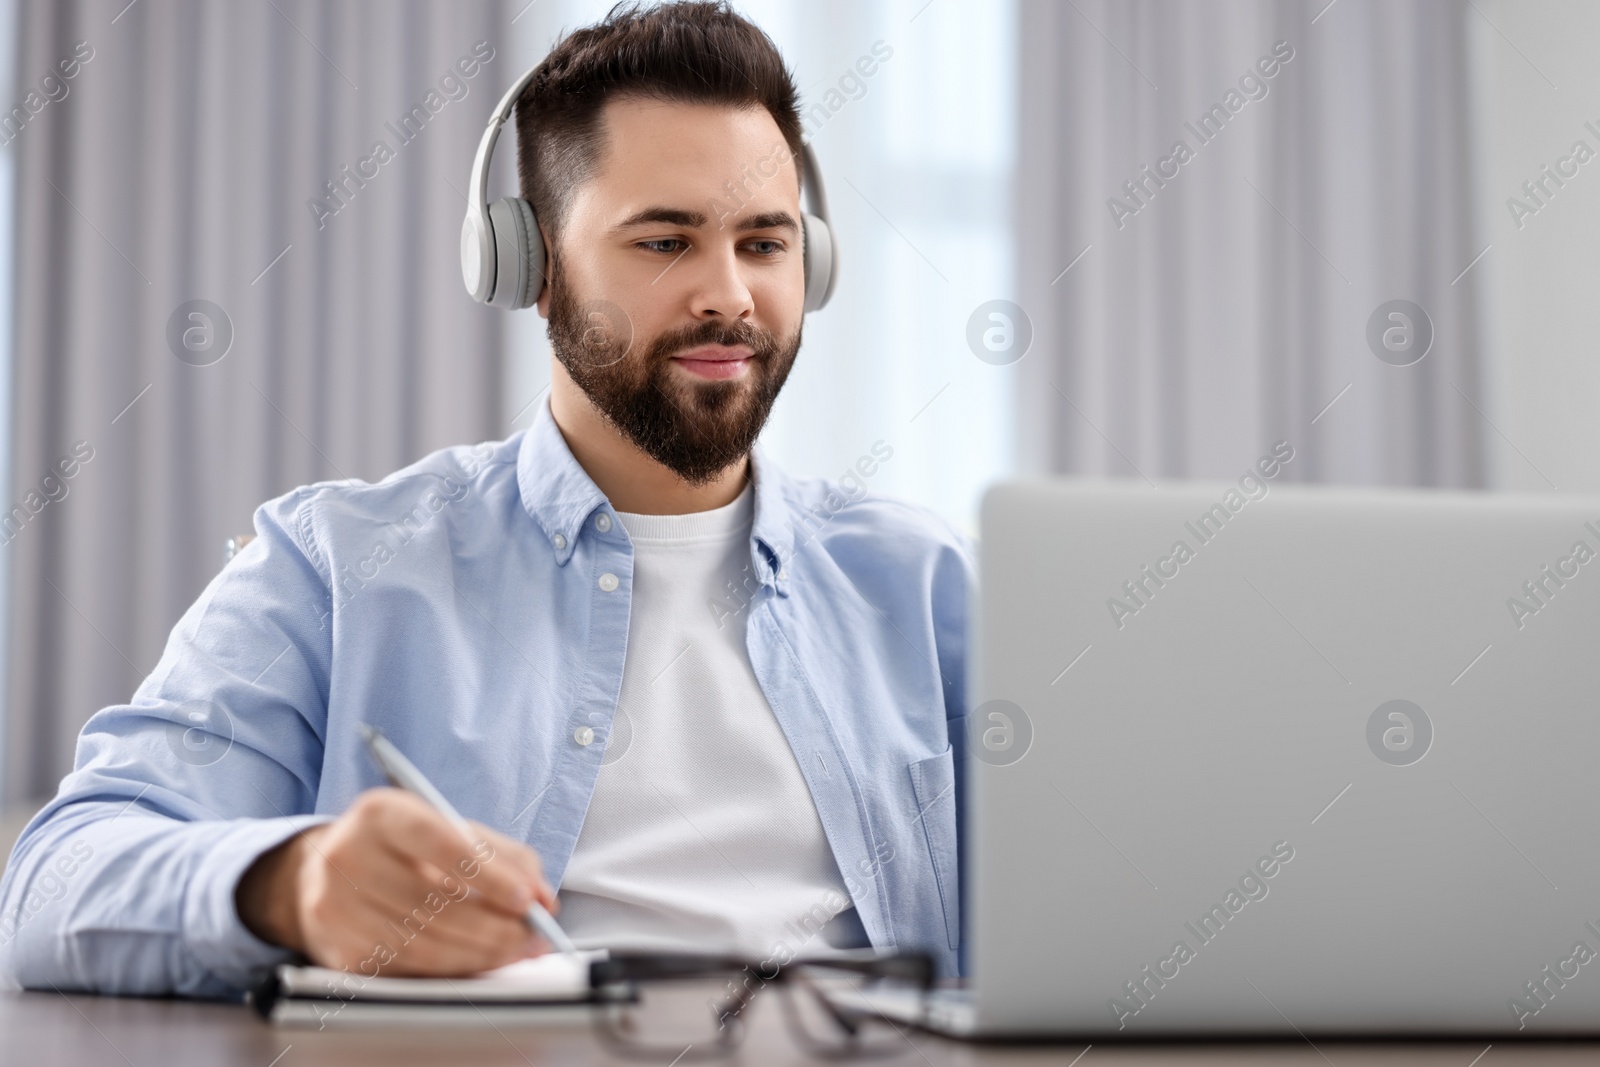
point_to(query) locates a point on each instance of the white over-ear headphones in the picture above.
(502, 252)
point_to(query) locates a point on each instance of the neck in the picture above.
(630, 478)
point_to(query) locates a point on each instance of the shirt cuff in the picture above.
(213, 931)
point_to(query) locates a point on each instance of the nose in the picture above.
(719, 286)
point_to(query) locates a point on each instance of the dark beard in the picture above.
(696, 429)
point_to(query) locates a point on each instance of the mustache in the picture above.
(762, 344)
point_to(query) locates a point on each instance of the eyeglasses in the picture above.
(672, 1018)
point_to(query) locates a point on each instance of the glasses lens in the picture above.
(825, 1022)
(692, 1019)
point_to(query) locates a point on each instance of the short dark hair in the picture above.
(689, 52)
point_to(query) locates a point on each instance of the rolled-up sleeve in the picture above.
(124, 883)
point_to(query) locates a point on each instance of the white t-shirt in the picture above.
(701, 833)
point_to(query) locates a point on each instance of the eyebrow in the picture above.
(769, 220)
(671, 216)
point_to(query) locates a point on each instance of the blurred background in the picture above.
(1142, 239)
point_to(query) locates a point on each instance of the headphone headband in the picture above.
(502, 251)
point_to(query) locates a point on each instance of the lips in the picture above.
(715, 361)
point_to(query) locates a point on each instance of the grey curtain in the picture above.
(184, 163)
(1227, 305)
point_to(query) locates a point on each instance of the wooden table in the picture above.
(63, 1030)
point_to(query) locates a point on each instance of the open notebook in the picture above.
(535, 990)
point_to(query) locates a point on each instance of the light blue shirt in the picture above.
(474, 607)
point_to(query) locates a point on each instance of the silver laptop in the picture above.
(1250, 759)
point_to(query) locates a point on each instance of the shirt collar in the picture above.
(772, 535)
(560, 496)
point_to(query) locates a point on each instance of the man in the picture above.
(713, 704)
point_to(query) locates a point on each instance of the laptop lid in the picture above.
(1257, 759)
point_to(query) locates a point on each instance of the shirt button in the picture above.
(584, 736)
(560, 541)
(608, 581)
(602, 522)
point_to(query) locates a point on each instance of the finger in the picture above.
(409, 827)
(371, 929)
(523, 860)
(414, 896)
(393, 885)
(474, 926)
(434, 952)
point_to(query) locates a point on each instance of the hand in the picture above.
(390, 887)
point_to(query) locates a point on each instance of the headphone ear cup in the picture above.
(519, 254)
(821, 261)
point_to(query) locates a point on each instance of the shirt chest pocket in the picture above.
(933, 781)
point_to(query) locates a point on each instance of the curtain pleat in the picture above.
(1230, 307)
(180, 167)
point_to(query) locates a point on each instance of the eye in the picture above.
(766, 247)
(655, 246)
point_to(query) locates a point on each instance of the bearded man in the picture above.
(686, 700)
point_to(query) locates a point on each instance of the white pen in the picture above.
(403, 774)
